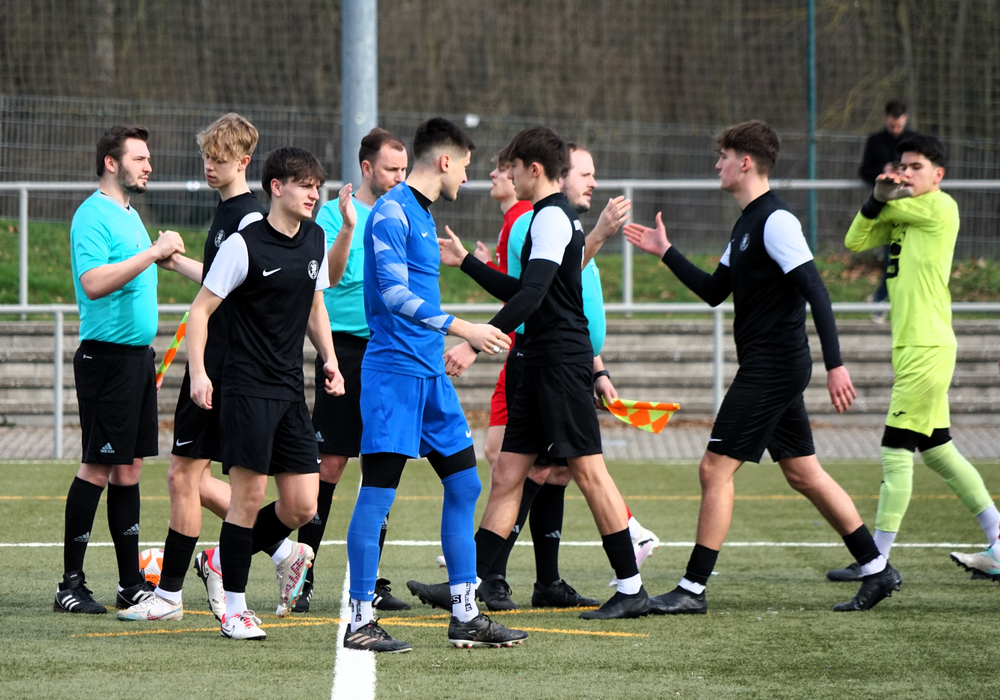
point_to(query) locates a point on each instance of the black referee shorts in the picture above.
(764, 408)
(552, 412)
(337, 419)
(196, 431)
(116, 394)
(269, 436)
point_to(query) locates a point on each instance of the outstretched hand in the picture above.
(346, 205)
(888, 186)
(615, 214)
(452, 250)
(482, 253)
(651, 240)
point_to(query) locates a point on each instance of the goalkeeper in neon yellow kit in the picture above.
(909, 212)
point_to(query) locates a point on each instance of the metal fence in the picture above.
(627, 187)
(719, 313)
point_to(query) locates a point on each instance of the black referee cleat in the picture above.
(481, 631)
(437, 595)
(127, 597)
(371, 637)
(848, 573)
(560, 595)
(384, 599)
(873, 589)
(495, 593)
(73, 596)
(620, 607)
(679, 602)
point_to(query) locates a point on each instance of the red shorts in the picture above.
(498, 404)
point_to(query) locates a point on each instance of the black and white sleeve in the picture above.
(714, 288)
(230, 267)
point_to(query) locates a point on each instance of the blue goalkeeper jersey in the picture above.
(402, 295)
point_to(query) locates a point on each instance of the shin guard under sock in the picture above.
(268, 530)
(81, 508)
(488, 545)
(618, 547)
(372, 506)
(312, 532)
(123, 521)
(961, 477)
(499, 566)
(177, 552)
(458, 522)
(546, 521)
(897, 485)
(235, 553)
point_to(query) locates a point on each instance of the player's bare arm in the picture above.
(181, 264)
(202, 308)
(614, 216)
(481, 336)
(602, 385)
(105, 279)
(651, 240)
(320, 336)
(341, 249)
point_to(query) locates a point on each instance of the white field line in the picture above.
(353, 669)
(564, 543)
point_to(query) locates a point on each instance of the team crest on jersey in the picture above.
(313, 269)
(745, 242)
(219, 237)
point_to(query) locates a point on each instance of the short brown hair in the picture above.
(440, 133)
(539, 144)
(230, 137)
(373, 142)
(112, 143)
(755, 139)
(291, 163)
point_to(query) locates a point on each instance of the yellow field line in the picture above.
(418, 621)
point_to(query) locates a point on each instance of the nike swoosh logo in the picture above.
(468, 433)
(715, 439)
(87, 357)
(181, 444)
(424, 234)
(268, 273)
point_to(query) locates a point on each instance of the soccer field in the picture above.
(769, 632)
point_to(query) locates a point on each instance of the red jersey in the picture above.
(512, 215)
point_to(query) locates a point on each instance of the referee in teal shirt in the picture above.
(115, 281)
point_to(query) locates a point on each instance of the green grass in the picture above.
(769, 633)
(847, 278)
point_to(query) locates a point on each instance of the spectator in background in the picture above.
(880, 157)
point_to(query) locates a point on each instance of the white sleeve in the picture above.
(323, 278)
(551, 231)
(249, 219)
(724, 260)
(784, 242)
(229, 268)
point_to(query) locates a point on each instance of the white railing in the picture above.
(59, 311)
(626, 187)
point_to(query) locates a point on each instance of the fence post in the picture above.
(22, 263)
(627, 254)
(57, 387)
(717, 357)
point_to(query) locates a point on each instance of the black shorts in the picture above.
(116, 393)
(337, 419)
(551, 412)
(269, 436)
(764, 408)
(196, 431)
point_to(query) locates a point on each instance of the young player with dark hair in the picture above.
(410, 407)
(337, 419)
(920, 223)
(272, 273)
(545, 487)
(551, 414)
(114, 276)
(769, 270)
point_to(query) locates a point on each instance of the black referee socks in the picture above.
(81, 508)
(123, 521)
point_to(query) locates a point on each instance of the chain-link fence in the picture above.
(646, 84)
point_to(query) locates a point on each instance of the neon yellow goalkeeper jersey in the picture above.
(921, 233)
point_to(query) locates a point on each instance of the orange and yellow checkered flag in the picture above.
(645, 415)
